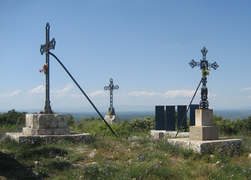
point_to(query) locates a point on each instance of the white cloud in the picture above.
(143, 94)
(237, 98)
(98, 93)
(65, 90)
(178, 93)
(10, 95)
(168, 94)
(76, 95)
(39, 89)
(245, 89)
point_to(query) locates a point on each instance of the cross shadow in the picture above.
(12, 169)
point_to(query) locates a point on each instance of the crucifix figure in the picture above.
(111, 87)
(45, 49)
(204, 66)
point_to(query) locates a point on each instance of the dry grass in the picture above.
(138, 157)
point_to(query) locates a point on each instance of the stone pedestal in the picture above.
(204, 129)
(46, 124)
(112, 119)
(42, 126)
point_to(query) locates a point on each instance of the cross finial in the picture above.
(204, 50)
(47, 26)
(204, 53)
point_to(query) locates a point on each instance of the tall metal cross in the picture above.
(204, 65)
(111, 87)
(45, 49)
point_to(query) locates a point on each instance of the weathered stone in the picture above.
(249, 156)
(203, 117)
(92, 163)
(204, 132)
(19, 137)
(110, 157)
(93, 153)
(128, 150)
(217, 163)
(158, 135)
(204, 129)
(46, 124)
(168, 134)
(200, 146)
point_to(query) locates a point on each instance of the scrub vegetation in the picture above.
(133, 155)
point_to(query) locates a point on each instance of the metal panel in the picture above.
(170, 118)
(192, 113)
(181, 113)
(159, 118)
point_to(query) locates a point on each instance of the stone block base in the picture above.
(204, 117)
(112, 119)
(204, 132)
(20, 137)
(168, 134)
(46, 124)
(201, 147)
(158, 136)
(47, 131)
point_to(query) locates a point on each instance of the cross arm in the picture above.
(46, 47)
(193, 63)
(213, 65)
(107, 87)
(116, 87)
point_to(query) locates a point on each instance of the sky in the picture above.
(144, 45)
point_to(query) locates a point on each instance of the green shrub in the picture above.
(12, 117)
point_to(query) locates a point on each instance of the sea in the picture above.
(130, 115)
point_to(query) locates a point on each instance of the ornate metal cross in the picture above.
(45, 49)
(204, 65)
(111, 87)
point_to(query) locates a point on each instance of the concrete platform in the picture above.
(202, 147)
(168, 134)
(19, 137)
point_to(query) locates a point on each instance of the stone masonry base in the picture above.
(201, 147)
(75, 136)
(198, 146)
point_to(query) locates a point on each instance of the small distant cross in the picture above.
(45, 49)
(111, 87)
(204, 65)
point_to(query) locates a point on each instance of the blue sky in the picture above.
(144, 45)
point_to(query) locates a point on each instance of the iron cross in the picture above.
(111, 87)
(204, 65)
(45, 49)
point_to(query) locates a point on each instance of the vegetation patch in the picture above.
(133, 155)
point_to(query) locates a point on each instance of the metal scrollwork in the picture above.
(111, 87)
(203, 64)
